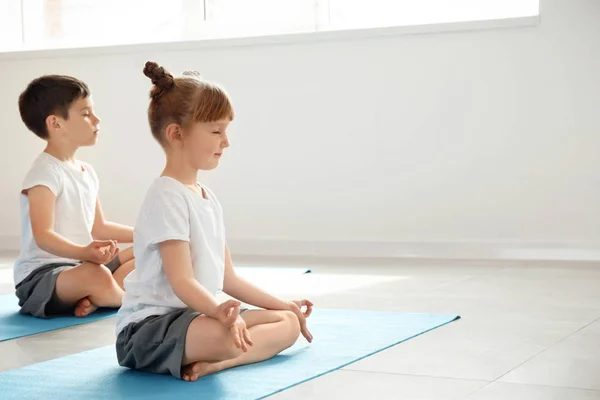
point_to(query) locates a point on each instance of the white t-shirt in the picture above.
(76, 191)
(172, 211)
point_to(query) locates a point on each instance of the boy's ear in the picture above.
(52, 123)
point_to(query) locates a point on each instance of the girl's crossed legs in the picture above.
(210, 347)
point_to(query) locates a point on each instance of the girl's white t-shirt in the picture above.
(172, 211)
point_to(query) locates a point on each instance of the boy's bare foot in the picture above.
(84, 307)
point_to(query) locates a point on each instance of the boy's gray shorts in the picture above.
(157, 343)
(37, 293)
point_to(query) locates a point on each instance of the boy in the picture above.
(68, 262)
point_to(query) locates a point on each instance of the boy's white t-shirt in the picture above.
(76, 190)
(172, 211)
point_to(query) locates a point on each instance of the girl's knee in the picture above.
(292, 325)
(229, 350)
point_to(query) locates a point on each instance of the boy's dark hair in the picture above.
(49, 95)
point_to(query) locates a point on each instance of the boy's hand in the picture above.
(100, 251)
(228, 313)
(296, 308)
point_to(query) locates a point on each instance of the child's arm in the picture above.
(105, 230)
(177, 264)
(169, 228)
(239, 288)
(41, 213)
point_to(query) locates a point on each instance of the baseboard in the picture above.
(12, 243)
(423, 250)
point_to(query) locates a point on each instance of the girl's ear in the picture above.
(174, 133)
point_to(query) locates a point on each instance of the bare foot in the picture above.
(193, 371)
(84, 307)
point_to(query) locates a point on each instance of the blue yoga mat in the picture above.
(14, 325)
(341, 337)
(278, 271)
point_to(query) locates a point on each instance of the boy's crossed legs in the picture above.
(88, 286)
(126, 264)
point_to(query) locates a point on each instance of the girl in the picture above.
(170, 321)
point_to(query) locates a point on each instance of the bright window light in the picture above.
(238, 18)
(353, 14)
(48, 24)
(11, 34)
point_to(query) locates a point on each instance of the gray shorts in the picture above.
(157, 343)
(37, 293)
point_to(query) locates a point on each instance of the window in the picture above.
(235, 18)
(353, 14)
(68, 23)
(11, 33)
(39, 24)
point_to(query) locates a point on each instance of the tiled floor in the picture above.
(528, 331)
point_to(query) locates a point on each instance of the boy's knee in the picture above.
(100, 275)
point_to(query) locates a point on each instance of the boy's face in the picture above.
(81, 128)
(205, 143)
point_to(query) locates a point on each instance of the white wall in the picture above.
(464, 144)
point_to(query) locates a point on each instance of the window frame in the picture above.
(320, 34)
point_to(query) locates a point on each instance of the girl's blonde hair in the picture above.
(183, 100)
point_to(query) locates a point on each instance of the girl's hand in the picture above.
(228, 313)
(296, 307)
(241, 335)
(304, 303)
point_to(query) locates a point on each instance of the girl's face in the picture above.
(204, 143)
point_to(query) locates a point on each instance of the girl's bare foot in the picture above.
(84, 307)
(193, 371)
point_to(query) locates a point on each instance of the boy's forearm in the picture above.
(114, 231)
(54, 243)
(195, 296)
(247, 292)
